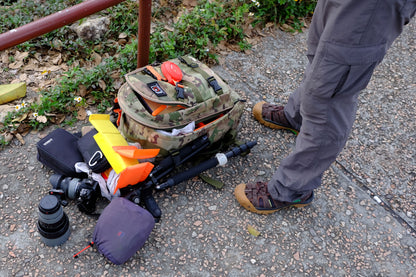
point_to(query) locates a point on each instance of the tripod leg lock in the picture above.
(222, 159)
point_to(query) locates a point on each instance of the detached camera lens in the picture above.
(53, 223)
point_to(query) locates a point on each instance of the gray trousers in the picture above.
(346, 40)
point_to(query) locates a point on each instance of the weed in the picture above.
(197, 32)
(283, 11)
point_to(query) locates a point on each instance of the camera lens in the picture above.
(85, 191)
(68, 185)
(53, 223)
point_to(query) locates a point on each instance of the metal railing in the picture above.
(67, 16)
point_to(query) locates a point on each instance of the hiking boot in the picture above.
(272, 116)
(256, 198)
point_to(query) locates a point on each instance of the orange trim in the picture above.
(160, 109)
(133, 152)
(201, 125)
(133, 175)
(155, 73)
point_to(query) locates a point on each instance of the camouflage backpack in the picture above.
(152, 107)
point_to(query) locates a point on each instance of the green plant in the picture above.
(283, 11)
(199, 31)
(21, 12)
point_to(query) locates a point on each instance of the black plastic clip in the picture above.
(179, 92)
(214, 84)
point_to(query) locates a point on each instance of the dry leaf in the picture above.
(20, 118)
(122, 35)
(97, 58)
(270, 24)
(59, 118)
(23, 128)
(82, 90)
(8, 137)
(16, 65)
(253, 231)
(20, 56)
(82, 114)
(52, 68)
(190, 3)
(4, 110)
(20, 138)
(57, 59)
(102, 85)
(54, 118)
(5, 57)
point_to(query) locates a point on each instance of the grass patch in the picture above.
(177, 31)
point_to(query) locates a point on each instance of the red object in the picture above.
(172, 72)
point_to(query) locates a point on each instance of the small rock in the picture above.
(296, 256)
(261, 173)
(92, 28)
(212, 208)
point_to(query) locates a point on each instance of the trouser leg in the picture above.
(326, 123)
(324, 106)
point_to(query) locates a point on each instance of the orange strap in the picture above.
(155, 73)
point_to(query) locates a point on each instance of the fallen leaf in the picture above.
(5, 57)
(82, 90)
(23, 128)
(57, 59)
(4, 110)
(253, 231)
(59, 118)
(20, 118)
(20, 138)
(8, 137)
(82, 114)
(102, 84)
(16, 65)
(122, 35)
(20, 56)
(97, 58)
(190, 3)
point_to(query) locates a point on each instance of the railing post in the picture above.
(143, 45)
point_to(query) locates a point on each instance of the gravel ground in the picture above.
(203, 231)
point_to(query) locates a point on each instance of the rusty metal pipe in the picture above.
(53, 21)
(143, 43)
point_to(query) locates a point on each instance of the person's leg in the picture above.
(327, 119)
(341, 66)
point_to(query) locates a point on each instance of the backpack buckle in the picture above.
(214, 84)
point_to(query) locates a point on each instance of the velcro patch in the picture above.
(157, 89)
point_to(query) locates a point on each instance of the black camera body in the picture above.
(84, 191)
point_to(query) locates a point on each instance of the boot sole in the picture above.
(241, 197)
(257, 113)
